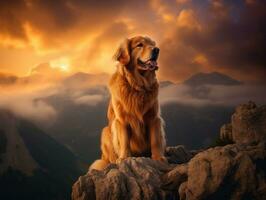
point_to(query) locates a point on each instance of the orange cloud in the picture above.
(82, 35)
(6, 41)
(162, 10)
(188, 19)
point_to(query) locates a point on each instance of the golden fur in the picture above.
(135, 127)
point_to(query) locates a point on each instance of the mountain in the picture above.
(165, 83)
(32, 164)
(81, 79)
(79, 123)
(213, 78)
(6, 79)
(79, 126)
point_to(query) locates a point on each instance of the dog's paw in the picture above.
(119, 160)
(160, 158)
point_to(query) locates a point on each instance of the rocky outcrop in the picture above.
(232, 172)
(133, 178)
(248, 124)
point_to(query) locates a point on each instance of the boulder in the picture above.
(232, 172)
(248, 124)
(133, 178)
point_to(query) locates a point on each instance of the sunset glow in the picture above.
(73, 37)
(166, 88)
(61, 63)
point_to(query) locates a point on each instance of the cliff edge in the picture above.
(236, 171)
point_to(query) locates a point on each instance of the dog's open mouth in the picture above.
(147, 65)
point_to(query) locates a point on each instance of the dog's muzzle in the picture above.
(150, 64)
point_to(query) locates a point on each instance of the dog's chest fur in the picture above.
(132, 99)
(135, 106)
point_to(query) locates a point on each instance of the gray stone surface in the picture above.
(232, 172)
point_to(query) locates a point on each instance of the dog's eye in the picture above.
(140, 45)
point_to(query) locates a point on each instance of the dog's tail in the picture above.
(99, 164)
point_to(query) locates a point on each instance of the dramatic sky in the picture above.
(66, 36)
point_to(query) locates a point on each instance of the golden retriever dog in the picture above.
(135, 126)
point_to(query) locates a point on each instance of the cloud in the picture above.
(40, 77)
(28, 105)
(179, 94)
(90, 100)
(182, 1)
(92, 95)
(162, 10)
(42, 104)
(230, 37)
(212, 95)
(29, 98)
(46, 69)
(209, 35)
(55, 18)
(98, 55)
(11, 18)
(188, 20)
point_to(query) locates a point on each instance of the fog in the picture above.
(212, 94)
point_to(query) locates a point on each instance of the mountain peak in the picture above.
(212, 78)
(82, 78)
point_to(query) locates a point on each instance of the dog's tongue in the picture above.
(152, 63)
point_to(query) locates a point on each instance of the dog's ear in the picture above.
(123, 52)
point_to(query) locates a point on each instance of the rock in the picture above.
(178, 154)
(84, 186)
(226, 132)
(133, 178)
(230, 172)
(248, 124)
(233, 172)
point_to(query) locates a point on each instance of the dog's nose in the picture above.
(155, 53)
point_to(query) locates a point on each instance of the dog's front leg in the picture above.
(121, 140)
(157, 139)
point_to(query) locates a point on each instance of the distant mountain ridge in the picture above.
(213, 78)
(165, 83)
(32, 164)
(6, 79)
(14, 154)
(82, 78)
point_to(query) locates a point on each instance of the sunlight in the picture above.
(62, 64)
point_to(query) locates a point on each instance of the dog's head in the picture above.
(139, 54)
